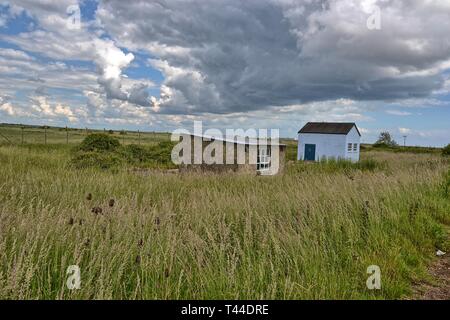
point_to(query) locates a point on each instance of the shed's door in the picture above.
(310, 152)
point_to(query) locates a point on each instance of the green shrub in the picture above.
(97, 150)
(446, 151)
(103, 151)
(93, 159)
(135, 154)
(156, 156)
(99, 142)
(161, 153)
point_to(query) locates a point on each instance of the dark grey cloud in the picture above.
(227, 56)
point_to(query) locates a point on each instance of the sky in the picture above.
(276, 64)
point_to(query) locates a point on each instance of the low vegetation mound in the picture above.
(105, 152)
(98, 142)
(91, 159)
(134, 153)
(161, 153)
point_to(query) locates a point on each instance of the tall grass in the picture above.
(333, 166)
(309, 234)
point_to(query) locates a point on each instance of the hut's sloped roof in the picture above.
(241, 140)
(329, 127)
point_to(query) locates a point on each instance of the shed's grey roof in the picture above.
(329, 127)
(241, 140)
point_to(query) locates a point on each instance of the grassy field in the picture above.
(397, 149)
(308, 234)
(17, 134)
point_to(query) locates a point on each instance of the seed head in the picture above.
(97, 210)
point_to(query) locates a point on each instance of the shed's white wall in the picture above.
(327, 145)
(353, 137)
(330, 145)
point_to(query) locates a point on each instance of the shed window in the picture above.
(349, 147)
(355, 147)
(263, 163)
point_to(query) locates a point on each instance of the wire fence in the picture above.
(17, 134)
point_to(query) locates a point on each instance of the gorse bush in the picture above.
(97, 150)
(99, 142)
(134, 153)
(103, 151)
(158, 156)
(161, 152)
(90, 159)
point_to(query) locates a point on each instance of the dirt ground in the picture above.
(440, 288)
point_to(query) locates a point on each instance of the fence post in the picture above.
(139, 137)
(67, 135)
(45, 134)
(123, 137)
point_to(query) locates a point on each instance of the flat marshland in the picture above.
(308, 234)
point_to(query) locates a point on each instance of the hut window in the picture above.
(263, 163)
(349, 147)
(355, 147)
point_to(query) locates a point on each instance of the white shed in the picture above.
(329, 140)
